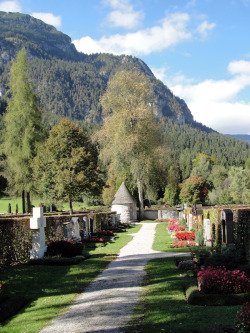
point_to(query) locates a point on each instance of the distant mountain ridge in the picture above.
(243, 137)
(70, 83)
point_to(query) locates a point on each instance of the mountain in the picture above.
(243, 137)
(67, 82)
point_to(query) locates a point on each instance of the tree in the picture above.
(109, 191)
(239, 185)
(193, 190)
(130, 137)
(65, 167)
(23, 127)
(172, 189)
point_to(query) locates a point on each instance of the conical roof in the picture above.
(123, 196)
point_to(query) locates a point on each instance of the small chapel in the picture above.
(124, 204)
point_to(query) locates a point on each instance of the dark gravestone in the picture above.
(227, 226)
(197, 209)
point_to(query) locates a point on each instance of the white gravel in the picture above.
(108, 303)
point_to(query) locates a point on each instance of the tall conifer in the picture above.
(23, 127)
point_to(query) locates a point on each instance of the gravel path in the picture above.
(108, 303)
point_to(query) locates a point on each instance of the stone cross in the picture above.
(37, 224)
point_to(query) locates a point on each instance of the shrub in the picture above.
(219, 280)
(186, 265)
(199, 237)
(242, 322)
(194, 297)
(64, 248)
(230, 261)
(199, 254)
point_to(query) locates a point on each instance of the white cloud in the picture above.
(191, 3)
(173, 30)
(239, 67)
(123, 14)
(204, 28)
(214, 102)
(10, 6)
(49, 18)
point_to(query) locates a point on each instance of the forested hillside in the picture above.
(70, 84)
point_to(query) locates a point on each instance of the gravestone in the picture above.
(85, 226)
(227, 226)
(190, 222)
(71, 229)
(197, 209)
(207, 232)
(113, 220)
(37, 224)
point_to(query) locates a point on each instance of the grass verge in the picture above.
(54, 288)
(163, 307)
(163, 241)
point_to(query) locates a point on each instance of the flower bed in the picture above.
(93, 240)
(172, 221)
(175, 228)
(180, 243)
(190, 236)
(117, 229)
(104, 233)
(219, 280)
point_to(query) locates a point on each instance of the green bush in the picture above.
(200, 254)
(57, 261)
(64, 248)
(194, 297)
(230, 261)
(199, 237)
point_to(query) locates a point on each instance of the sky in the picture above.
(199, 48)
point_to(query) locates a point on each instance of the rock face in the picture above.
(78, 80)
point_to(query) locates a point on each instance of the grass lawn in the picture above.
(162, 306)
(4, 204)
(53, 288)
(163, 241)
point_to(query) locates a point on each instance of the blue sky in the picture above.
(199, 48)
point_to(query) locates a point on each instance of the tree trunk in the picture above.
(23, 202)
(70, 207)
(28, 202)
(50, 206)
(141, 206)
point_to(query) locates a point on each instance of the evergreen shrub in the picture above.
(64, 248)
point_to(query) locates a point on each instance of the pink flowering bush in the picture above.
(175, 228)
(219, 280)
